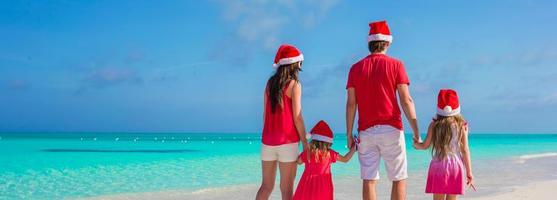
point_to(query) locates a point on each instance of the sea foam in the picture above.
(524, 158)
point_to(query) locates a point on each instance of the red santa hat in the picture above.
(379, 31)
(447, 103)
(322, 132)
(287, 54)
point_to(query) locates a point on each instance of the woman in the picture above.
(283, 125)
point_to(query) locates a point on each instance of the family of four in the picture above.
(372, 87)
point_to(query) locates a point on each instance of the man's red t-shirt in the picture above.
(375, 79)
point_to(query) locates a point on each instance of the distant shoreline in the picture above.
(222, 133)
(213, 133)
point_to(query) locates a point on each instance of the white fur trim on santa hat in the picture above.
(448, 111)
(286, 61)
(379, 37)
(321, 138)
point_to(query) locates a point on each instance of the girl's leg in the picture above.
(438, 196)
(287, 177)
(269, 171)
(451, 197)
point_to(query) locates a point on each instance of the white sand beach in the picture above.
(526, 177)
(539, 191)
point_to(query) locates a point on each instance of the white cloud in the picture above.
(261, 24)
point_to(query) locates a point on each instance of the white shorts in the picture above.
(382, 141)
(282, 153)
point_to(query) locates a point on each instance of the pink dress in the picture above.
(447, 176)
(316, 181)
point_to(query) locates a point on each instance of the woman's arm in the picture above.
(297, 113)
(427, 142)
(348, 155)
(465, 151)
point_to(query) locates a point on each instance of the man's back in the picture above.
(375, 79)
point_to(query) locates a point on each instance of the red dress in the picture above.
(316, 182)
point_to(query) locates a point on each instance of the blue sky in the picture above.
(201, 66)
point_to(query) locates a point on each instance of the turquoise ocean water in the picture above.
(70, 165)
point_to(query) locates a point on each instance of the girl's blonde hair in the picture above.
(443, 134)
(319, 150)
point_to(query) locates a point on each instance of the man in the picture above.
(372, 86)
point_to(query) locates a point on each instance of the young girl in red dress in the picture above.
(316, 181)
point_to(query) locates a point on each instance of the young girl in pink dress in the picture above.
(316, 182)
(450, 168)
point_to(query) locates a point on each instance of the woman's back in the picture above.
(279, 127)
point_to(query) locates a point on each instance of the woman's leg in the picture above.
(269, 172)
(287, 177)
(438, 196)
(451, 197)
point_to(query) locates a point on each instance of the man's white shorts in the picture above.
(282, 153)
(382, 141)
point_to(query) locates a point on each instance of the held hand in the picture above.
(417, 139)
(417, 142)
(419, 145)
(349, 142)
(305, 145)
(416, 145)
(353, 148)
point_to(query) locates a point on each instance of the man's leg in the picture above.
(369, 190)
(393, 151)
(398, 192)
(369, 157)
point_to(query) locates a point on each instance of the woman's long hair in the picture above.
(278, 81)
(318, 150)
(443, 134)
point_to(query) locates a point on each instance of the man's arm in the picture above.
(408, 107)
(350, 115)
